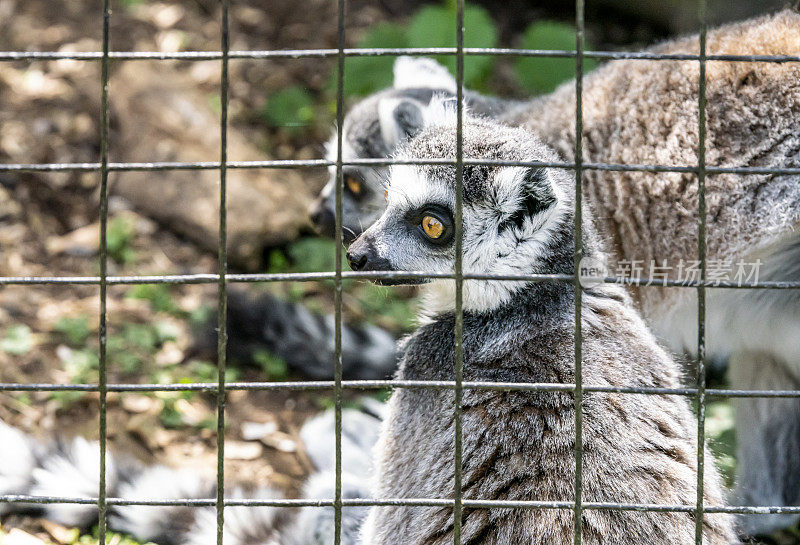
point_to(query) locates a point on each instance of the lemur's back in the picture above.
(645, 112)
(520, 445)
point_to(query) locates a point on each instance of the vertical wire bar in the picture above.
(578, 509)
(458, 330)
(102, 328)
(337, 281)
(701, 291)
(222, 256)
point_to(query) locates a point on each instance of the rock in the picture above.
(163, 116)
(61, 534)
(252, 431)
(82, 242)
(280, 441)
(136, 403)
(242, 450)
(18, 537)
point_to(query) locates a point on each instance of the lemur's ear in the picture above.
(534, 194)
(400, 119)
(422, 73)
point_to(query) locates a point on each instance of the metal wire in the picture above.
(578, 291)
(337, 291)
(319, 163)
(103, 281)
(222, 285)
(700, 393)
(390, 384)
(458, 328)
(409, 502)
(381, 52)
(701, 290)
(395, 275)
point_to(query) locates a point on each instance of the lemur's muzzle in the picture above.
(363, 256)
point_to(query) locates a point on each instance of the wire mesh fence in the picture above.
(700, 393)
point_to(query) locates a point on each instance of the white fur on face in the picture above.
(410, 188)
(486, 250)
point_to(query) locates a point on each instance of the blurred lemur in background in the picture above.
(64, 468)
(645, 112)
(520, 445)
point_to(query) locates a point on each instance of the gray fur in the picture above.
(520, 445)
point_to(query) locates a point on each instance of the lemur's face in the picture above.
(510, 214)
(373, 129)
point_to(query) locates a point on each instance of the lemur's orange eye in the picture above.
(353, 185)
(432, 227)
(386, 196)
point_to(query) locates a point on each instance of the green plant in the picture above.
(395, 310)
(291, 109)
(119, 237)
(170, 416)
(366, 75)
(434, 26)
(81, 365)
(158, 295)
(75, 330)
(722, 438)
(17, 341)
(310, 254)
(543, 74)
(431, 26)
(130, 4)
(273, 367)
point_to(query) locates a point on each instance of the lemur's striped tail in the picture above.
(69, 469)
(303, 339)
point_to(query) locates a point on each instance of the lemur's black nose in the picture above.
(358, 260)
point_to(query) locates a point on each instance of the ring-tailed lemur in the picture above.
(70, 469)
(519, 446)
(645, 112)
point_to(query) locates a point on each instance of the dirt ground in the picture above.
(49, 225)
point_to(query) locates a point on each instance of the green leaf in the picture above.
(435, 26)
(543, 74)
(273, 367)
(76, 330)
(158, 295)
(366, 75)
(290, 109)
(17, 341)
(119, 237)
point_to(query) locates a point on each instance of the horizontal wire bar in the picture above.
(210, 278)
(403, 502)
(381, 384)
(379, 52)
(319, 163)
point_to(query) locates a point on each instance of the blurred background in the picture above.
(166, 222)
